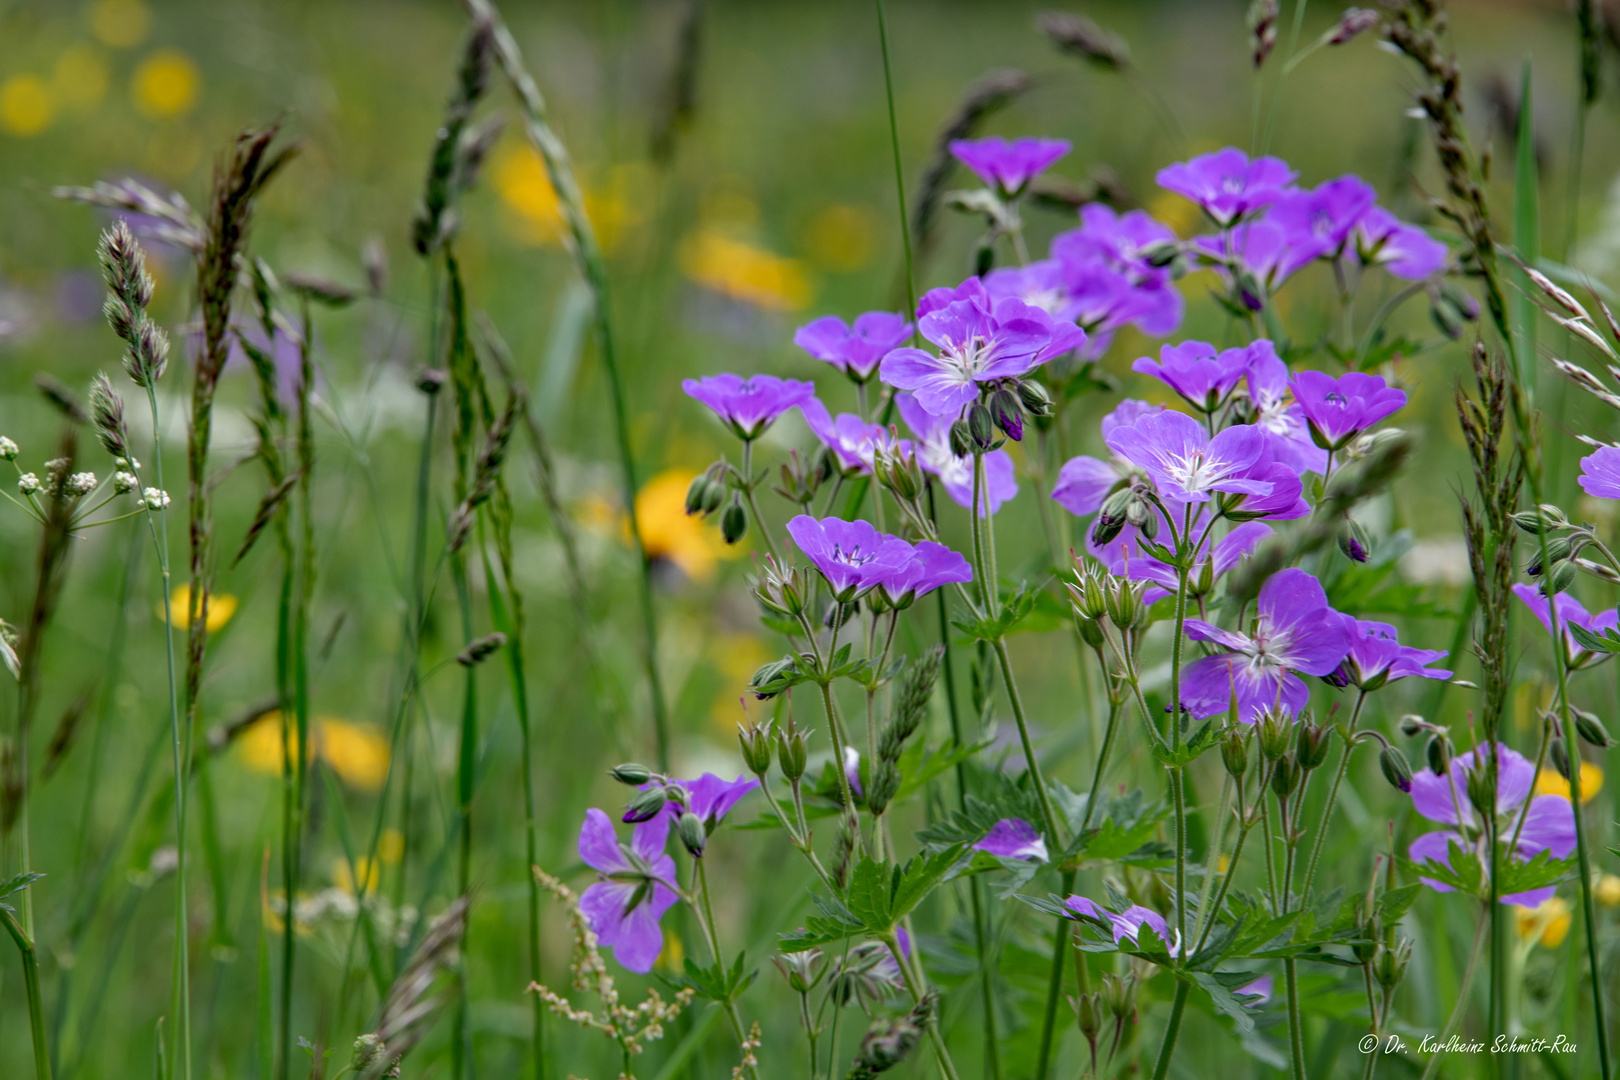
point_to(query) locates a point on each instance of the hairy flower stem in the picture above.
(947, 1068)
(1167, 1048)
(1332, 797)
(748, 493)
(712, 938)
(1462, 995)
(36, 1007)
(1054, 984)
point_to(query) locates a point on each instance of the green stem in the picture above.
(1177, 1007)
(1327, 808)
(1048, 814)
(748, 494)
(1054, 983)
(36, 1008)
(1462, 996)
(899, 173)
(947, 1068)
(706, 923)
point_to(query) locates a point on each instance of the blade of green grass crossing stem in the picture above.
(466, 772)
(899, 172)
(219, 933)
(360, 877)
(264, 1013)
(1526, 234)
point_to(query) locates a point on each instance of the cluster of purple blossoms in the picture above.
(853, 443)
(1377, 657)
(1547, 824)
(855, 560)
(932, 445)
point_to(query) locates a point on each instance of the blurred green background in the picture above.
(770, 202)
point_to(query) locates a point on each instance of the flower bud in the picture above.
(8, 449)
(1088, 1011)
(1111, 517)
(693, 836)
(1354, 542)
(1558, 549)
(961, 439)
(1397, 770)
(802, 970)
(124, 482)
(904, 474)
(1340, 676)
(1124, 603)
(646, 805)
(697, 494)
(1034, 398)
(1274, 734)
(1439, 753)
(1389, 964)
(27, 483)
(1590, 728)
(1007, 413)
(734, 521)
(1091, 632)
(1411, 724)
(1559, 753)
(1314, 742)
(1481, 788)
(1120, 994)
(1561, 578)
(756, 749)
(1204, 583)
(630, 773)
(1544, 518)
(1283, 777)
(791, 754)
(981, 428)
(1235, 753)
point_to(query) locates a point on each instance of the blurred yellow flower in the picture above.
(120, 23)
(26, 107)
(1546, 925)
(80, 79)
(744, 272)
(840, 237)
(520, 180)
(165, 84)
(736, 657)
(358, 753)
(1182, 216)
(221, 606)
(1606, 888)
(690, 543)
(1222, 864)
(673, 958)
(344, 878)
(1548, 782)
(390, 846)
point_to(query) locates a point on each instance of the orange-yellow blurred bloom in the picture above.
(221, 606)
(519, 178)
(358, 753)
(1548, 782)
(80, 79)
(1546, 925)
(841, 237)
(26, 105)
(691, 543)
(743, 272)
(364, 870)
(1606, 889)
(165, 84)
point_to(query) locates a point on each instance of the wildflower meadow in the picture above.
(686, 540)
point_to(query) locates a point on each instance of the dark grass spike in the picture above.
(62, 399)
(679, 100)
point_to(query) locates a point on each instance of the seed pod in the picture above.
(961, 439)
(1590, 728)
(1088, 1011)
(1314, 742)
(1439, 753)
(1283, 778)
(1274, 734)
(1034, 398)
(1558, 549)
(791, 754)
(1561, 578)
(981, 428)
(646, 805)
(734, 522)
(1560, 757)
(1007, 413)
(756, 749)
(697, 493)
(1389, 965)
(693, 836)
(1235, 754)
(1397, 770)
(630, 773)
(1091, 632)
(1124, 603)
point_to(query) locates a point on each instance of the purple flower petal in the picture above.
(599, 844)
(1013, 838)
(1008, 166)
(749, 406)
(854, 350)
(1226, 183)
(1600, 473)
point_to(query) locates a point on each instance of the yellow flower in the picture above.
(26, 107)
(1607, 890)
(1548, 782)
(521, 181)
(1222, 864)
(221, 606)
(840, 237)
(165, 84)
(80, 79)
(744, 272)
(673, 958)
(1546, 925)
(1176, 212)
(358, 753)
(689, 542)
(120, 23)
(736, 657)
(344, 878)
(390, 846)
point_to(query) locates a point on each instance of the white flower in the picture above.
(28, 483)
(156, 499)
(82, 483)
(124, 482)
(127, 463)
(8, 449)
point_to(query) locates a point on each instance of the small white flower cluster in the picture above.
(156, 499)
(129, 463)
(28, 483)
(8, 449)
(81, 483)
(124, 482)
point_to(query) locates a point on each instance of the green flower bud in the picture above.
(961, 439)
(1088, 1010)
(791, 754)
(1034, 398)
(1314, 743)
(697, 494)
(1275, 732)
(1559, 753)
(1283, 777)
(1124, 603)
(1389, 965)
(1562, 576)
(981, 427)
(632, 774)
(1397, 770)
(1590, 728)
(1481, 788)
(756, 749)
(1091, 631)
(646, 805)
(1235, 753)
(734, 522)
(691, 831)
(1007, 413)
(1439, 753)
(1558, 549)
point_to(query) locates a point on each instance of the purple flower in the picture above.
(749, 406)
(1259, 990)
(1318, 222)
(1008, 166)
(1219, 558)
(1084, 482)
(1600, 473)
(1294, 633)
(1185, 463)
(1338, 410)
(1193, 369)
(1377, 657)
(1570, 611)
(1405, 251)
(854, 350)
(1549, 825)
(934, 454)
(854, 443)
(852, 769)
(712, 798)
(1127, 924)
(1013, 838)
(636, 889)
(930, 566)
(1282, 421)
(852, 555)
(1108, 281)
(980, 339)
(1040, 284)
(1259, 248)
(1227, 184)
(1284, 502)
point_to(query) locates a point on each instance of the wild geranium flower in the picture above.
(1202, 376)
(1377, 657)
(1570, 612)
(1084, 482)
(1404, 251)
(1275, 414)
(1294, 633)
(852, 556)
(1013, 838)
(1318, 222)
(1549, 824)
(980, 339)
(1250, 258)
(1227, 184)
(934, 454)
(1126, 924)
(931, 565)
(855, 350)
(711, 798)
(1600, 473)
(1284, 502)
(1185, 463)
(1338, 410)
(637, 887)
(749, 406)
(1008, 166)
(1107, 279)
(853, 442)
